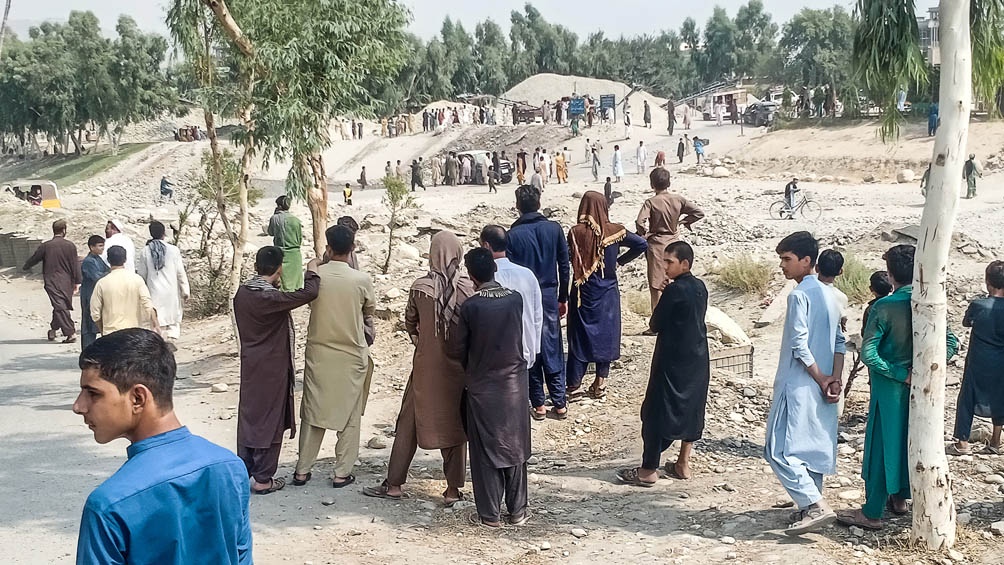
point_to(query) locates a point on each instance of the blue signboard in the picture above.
(608, 101)
(577, 107)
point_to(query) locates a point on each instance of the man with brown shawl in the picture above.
(336, 378)
(659, 223)
(594, 306)
(488, 341)
(430, 410)
(265, 327)
(60, 277)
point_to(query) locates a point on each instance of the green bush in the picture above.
(855, 280)
(745, 274)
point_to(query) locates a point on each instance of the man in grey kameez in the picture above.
(801, 441)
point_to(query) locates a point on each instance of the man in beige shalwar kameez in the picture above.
(336, 380)
(659, 223)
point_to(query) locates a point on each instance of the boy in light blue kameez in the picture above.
(801, 441)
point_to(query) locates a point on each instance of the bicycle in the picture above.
(810, 210)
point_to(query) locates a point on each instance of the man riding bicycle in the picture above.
(790, 194)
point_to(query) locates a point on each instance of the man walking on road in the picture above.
(162, 268)
(178, 498)
(60, 278)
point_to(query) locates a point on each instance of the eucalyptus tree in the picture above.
(972, 60)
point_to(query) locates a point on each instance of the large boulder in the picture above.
(905, 175)
(720, 173)
(730, 331)
(716, 163)
(405, 251)
(707, 171)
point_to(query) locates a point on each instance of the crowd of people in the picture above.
(489, 360)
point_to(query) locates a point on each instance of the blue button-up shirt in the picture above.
(179, 499)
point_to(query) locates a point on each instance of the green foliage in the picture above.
(887, 55)
(205, 188)
(986, 20)
(67, 170)
(745, 274)
(756, 38)
(341, 48)
(69, 75)
(397, 198)
(817, 47)
(855, 281)
(719, 55)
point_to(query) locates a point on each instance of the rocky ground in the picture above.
(730, 512)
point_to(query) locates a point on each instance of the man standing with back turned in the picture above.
(60, 277)
(539, 245)
(336, 379)
(801, 442)
(178, 499)
(488, 341)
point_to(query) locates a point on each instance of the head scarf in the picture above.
(446, 283)
(158, 253)
(588, 238)
(117, 224)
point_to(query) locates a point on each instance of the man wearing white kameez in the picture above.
(642, 155)
(113, 237)
(801, 441)
(522, 280)
(160, 265)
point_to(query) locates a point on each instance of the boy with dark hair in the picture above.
(880, 287)
(175, 486)
(266, 331)
(801, 442)
(92, 269)
(981, 393)
(677, 392)
(829, 266)
(887, 351)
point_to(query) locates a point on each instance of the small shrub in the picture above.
(855, 280)
(745, 274)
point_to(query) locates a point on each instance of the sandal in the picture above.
(893, 510)
(275, 485)
(51, 335)
(299, 483)
(954, 450)
(991, 450)
(558, 415)
(630, 477)
(348, 481)
(598, 392)
(537, 416)
(671, 471)
(72, 338)
(796, 516)
(523, 519)
(812, 519)
(381, 492)
(854, 518)
(449, 502)
(574, 394)
(476, 520)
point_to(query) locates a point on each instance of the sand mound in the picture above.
(548, 86)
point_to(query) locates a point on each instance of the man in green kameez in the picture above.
(887, 351)
(287, 234)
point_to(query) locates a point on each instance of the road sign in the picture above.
(608, 101)
(577, 107)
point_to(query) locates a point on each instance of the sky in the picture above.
(627, 17)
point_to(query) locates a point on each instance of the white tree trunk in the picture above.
(930, 478)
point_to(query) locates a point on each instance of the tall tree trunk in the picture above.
(317, 201)
(930, 479)
(3, 26)
(245, 186)
(230, 27)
